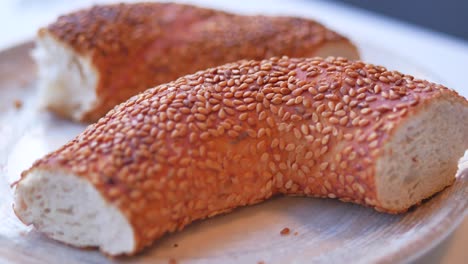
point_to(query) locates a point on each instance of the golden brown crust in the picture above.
(239, 133)
(137, 46)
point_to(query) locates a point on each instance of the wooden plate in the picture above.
(322, 230)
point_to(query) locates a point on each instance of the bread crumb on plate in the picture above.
(285, 231)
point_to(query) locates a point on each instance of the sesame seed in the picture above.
(323, 150)
(348, 136)
(319, 97)
(270, 121)
(372, 136)
(277, 157)
(297, 133)
(325, 139)
(290, 147)
(340, 113)
(327, 185)
(297, 92)
(350, 81)
(359, 188)
(393, 95)
(327, 130)
(344, 121)
(363, 122)
(366, 111)
(346, 99)
(274, 143)
(261, 145)
(288, 184)
(326, 114)
(283, 166)
(323, 88)
(321, 108)
(334, 120)
(385, 94)
(204, 135)
(319, 127)
(243, 116)
(304, 129)
(361, 96)
(232, 133)
(315, 117)
(339, 106)
(403, 112)
(355, 121)
(373, 144)
(393, 116)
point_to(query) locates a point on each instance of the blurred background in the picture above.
(449, 16)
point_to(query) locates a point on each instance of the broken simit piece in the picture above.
(238, 134)
(91, 60)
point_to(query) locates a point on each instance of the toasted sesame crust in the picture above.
(137, 46)
(238, 134)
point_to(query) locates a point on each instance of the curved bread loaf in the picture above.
(91, 60)
(238, 134)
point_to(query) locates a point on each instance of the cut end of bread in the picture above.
(67, 80)
(421, 157)
(338, 49)
(73, 212)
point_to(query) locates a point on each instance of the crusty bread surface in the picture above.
(91, 60)
(237, 134)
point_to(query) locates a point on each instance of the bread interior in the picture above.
(70, 209)
(421, 157)
(66, 80)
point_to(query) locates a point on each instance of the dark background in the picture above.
(450, 16)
